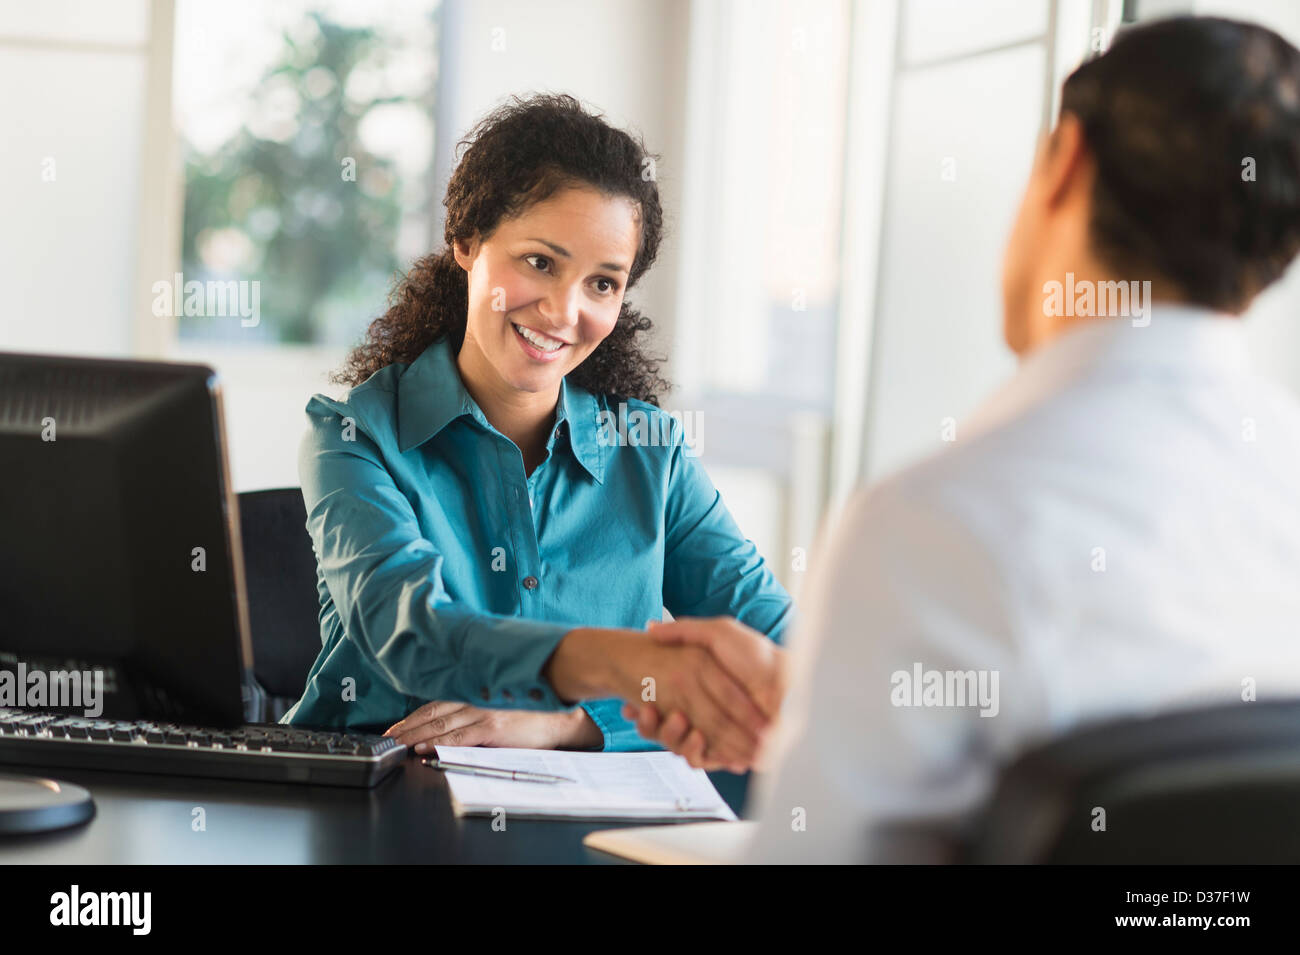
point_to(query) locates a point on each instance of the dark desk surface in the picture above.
(406, 818)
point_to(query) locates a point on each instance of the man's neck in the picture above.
(1087, 292)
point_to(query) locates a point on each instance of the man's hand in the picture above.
(756, 662)
(459, 724)
(591, 663)
(747, 654)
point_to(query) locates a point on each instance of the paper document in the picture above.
(640, 786)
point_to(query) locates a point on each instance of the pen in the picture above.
(518, 774)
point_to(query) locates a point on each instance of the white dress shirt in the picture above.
(1116, 532)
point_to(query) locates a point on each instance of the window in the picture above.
(307, 138)
(755, 336)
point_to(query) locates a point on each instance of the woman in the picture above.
(482, 534)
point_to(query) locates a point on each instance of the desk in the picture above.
(407, 818)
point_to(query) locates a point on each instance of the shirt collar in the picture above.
(579, 411)
(431, 394)
(1174, 339)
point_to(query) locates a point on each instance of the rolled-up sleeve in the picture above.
(386, 581)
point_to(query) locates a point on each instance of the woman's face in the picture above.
(546, 287)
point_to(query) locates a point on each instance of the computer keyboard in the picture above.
(269, 752)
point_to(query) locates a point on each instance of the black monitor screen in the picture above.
(119, 538)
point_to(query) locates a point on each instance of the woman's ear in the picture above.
(465, 251)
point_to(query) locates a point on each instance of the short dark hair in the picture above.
(1179, 113)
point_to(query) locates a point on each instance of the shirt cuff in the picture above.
(502, 664)
(620, 734)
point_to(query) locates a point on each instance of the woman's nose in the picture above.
(563, 304)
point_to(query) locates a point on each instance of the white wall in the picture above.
(967, 108)
(73, 76)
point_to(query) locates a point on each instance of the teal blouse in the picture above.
(446, 573)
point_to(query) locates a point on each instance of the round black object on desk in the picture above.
(32, 804)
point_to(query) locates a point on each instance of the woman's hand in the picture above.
(459, 724)
(723, 677)
(744, 652)
(754, 660)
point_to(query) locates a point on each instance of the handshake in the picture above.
(707, 688)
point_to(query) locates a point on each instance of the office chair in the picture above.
(283, 609)
(1218, 785)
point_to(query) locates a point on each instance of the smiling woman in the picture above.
(477, 541)
(537, 310)
(518, 157)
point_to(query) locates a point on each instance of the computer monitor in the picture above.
(119, 534)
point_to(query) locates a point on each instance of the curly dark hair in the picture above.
(518, 155)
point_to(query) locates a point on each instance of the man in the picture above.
(1117, 531)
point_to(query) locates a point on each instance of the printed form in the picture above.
(657, 785)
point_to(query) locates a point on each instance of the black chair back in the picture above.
(283, 608)
(1218, 785)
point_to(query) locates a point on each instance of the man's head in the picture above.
(1176, 160)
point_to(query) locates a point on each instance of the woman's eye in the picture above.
(533, 255)
(610, 286)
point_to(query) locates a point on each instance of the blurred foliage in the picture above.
(285, 208)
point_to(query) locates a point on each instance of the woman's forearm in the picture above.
(586, 664)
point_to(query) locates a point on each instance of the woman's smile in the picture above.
(538, 345)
